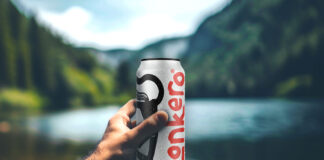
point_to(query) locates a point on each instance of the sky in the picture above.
(131, 24)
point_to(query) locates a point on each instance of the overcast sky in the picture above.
(131, 24)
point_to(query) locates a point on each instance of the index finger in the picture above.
(128, 109)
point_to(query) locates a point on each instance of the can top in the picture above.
(149, 59)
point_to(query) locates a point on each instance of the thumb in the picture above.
(148, 127)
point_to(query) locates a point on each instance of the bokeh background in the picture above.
(254, 74)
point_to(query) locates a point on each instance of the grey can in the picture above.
(160, 85)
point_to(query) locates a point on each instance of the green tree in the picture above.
(8, 58)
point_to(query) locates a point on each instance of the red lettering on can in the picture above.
(178, 120)
(173, 92)
(183, 153)
(176, 104)
(174, 152)
(176, 80)
(172, 138)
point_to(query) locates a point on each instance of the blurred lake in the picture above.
(222, 129)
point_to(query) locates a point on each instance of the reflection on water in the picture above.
(225, 129)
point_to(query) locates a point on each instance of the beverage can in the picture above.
(160, 85)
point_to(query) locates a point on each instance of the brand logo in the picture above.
(175, 103)
(148, 107)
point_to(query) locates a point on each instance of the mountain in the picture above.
(171, 47)
(110, 58)
(269, 48)
(37, 69)
(258, 48)
(249, 49)
(125, 62)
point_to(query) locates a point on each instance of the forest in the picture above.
(39, 70)
(269, 48)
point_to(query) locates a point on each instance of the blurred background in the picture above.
(254, 74)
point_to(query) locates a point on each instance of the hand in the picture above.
(122, 138)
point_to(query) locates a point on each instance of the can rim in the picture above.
(148, 59)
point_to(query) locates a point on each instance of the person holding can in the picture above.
(121, 138)
(157, 130)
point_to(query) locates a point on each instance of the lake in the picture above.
(222, 129)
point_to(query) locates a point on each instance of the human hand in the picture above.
(122, 138)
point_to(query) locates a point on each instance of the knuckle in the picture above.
(131, 101)
(124, 117)
(111, 123)
(114, 127)
(110, 127)
(113, 119)
(150, 122)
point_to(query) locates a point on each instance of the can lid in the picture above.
(149, 59)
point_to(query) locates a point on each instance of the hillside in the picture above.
(258, 48)
(170, 47)
(249, 49)
(37, 69)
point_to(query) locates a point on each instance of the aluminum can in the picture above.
(160, 85)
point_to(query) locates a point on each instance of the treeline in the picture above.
(250, 49)
(37, 69)
(259, 48)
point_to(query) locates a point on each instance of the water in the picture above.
(80, 125)
(215, 128)
(248, 119)
(205, 119)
